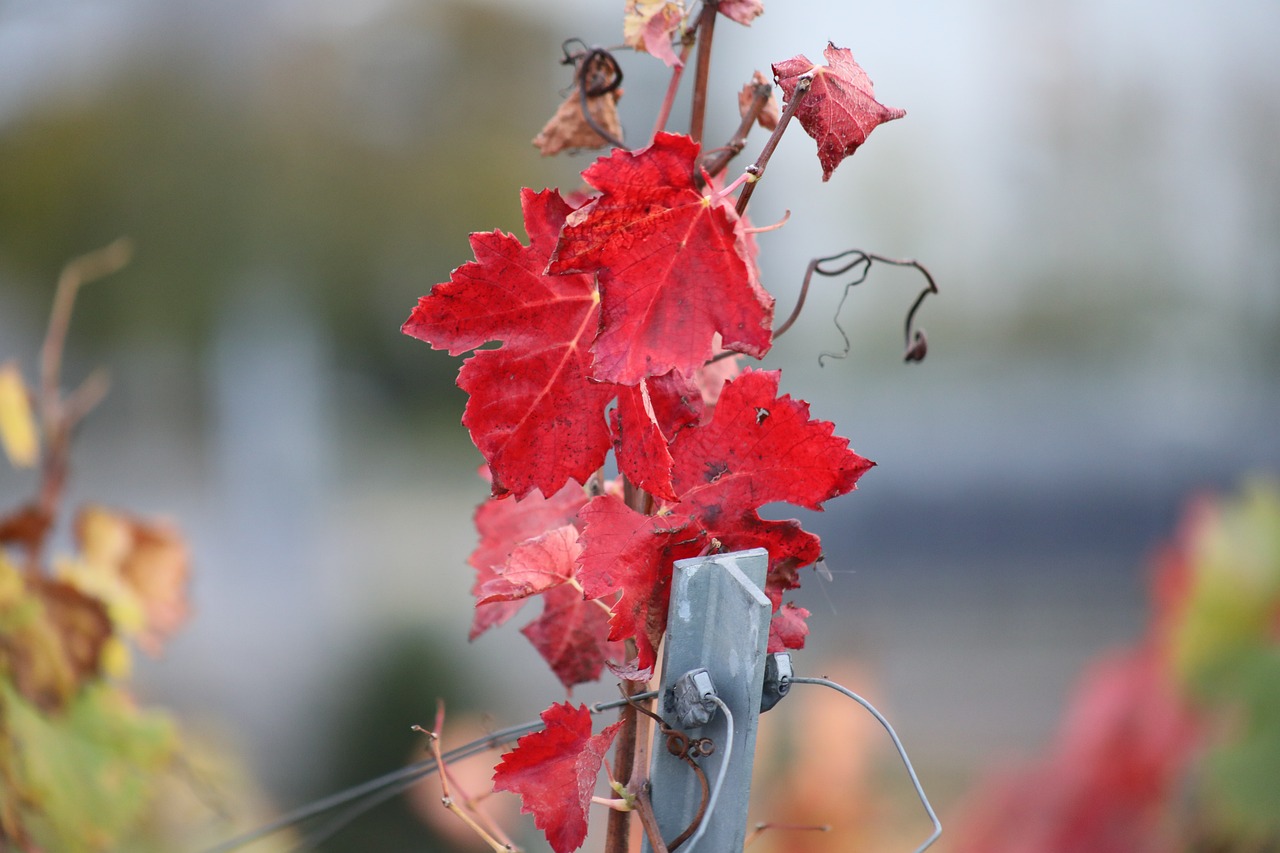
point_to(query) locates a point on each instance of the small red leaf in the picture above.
(788, 630)
(554, 771)
(840, 110)
(571, 635)
(674, 266)
(742, 11)
(504, 524)
(533, 411)
(534, 567)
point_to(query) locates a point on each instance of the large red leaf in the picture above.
(674, 265)
(533, 412)
(554, 771)
(841, 108)
(503, 525)
(758, 448)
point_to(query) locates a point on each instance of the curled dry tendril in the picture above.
(916, 344)
(596, 73)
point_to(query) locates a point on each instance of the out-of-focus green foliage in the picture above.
(1225, 644)
(351, 169)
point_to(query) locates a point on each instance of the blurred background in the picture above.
(1095, 186)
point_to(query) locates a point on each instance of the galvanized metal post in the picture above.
(719, 621)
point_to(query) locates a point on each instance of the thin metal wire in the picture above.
(724, 767)
(382, 788)
(902, 751)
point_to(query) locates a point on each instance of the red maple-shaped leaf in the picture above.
(533, 412)
(503, 525)
(674, 265)
(554, 771)
(758, 448)
(840, 110)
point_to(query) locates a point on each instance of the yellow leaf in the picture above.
(17, 423)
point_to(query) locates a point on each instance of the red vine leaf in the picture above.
(840, 110)
(788, 630)
(534, 567)
(650, 25)
(533, 412)
(503, 525)
(554, 771)
(571, 635)
(758, 448)
(742, 11)
(674, 265)
(630, 553)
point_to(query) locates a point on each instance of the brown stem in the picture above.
(59, 417)
(756, 170)
(668, 101)
(618, 829)
(706, 31)
(759, 97)
(644, 808)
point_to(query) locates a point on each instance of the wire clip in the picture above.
(777, 679)
(691, 699)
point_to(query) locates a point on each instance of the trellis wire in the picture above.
(902, 751)
(382, 788)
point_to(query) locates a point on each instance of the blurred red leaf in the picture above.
(674, 266)
(742, 11)
(571, 635)
(840, 110)
(533, 411)
(554, 771)
(1118, 757)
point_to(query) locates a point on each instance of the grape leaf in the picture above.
(757, 448)
(532, 411)
(139, 568)
(503, 525)
(631, 553)
(571, 635)
(554, 771)
(569, 128)
(650, 25)
(534, 567)
(840, 110)
(52, 637)
(19, 433)
(742, 11)
(674, 265)
(787, 629)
